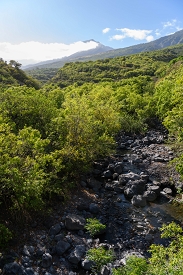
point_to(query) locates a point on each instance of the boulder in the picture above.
(77, 254)
(13, 269)
(55, 229)
(74, 222)
(150, 195)
(134, 188)
(155, 188)
(87, 264)
(93, 208)
(46, 260)
(61, 247)
(138, 200)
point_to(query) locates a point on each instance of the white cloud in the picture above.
(106, 30)
(117, 37)
(171, 23)
(42, 51)
(135, 34)
(157, 32)
(150, 38)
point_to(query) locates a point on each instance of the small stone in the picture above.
(55, 229)
(46, 260)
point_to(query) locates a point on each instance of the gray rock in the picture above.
(30, 271)
(61, 247)
(13, 269)
(93, 208)
(128, 254)
(105, 270)
(168, 191)
(87, 264)
(25, 259)
(118, 169)
(150, 195)
(77, 254)
(46, 260)
(74, 222)
(124, 178)
(55, 229)
(109, 186)
(155, 188)
(26, 251)
(138, 200)
(136, 187)
(107, 174)
(59, 237)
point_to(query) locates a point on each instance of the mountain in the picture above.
(55, 63)
(102, 52)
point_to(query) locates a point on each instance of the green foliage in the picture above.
(168, 260)
(94, 226)
(100, 256)
(5, 235)
(164, 259)
(118, 68)
(21, 169)
(134, 266)
(42, 74)
(11, 74)
(49, 136)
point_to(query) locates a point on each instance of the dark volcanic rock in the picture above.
(138, 200)
(74, 222)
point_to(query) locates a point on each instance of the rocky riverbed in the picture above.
(130, 192)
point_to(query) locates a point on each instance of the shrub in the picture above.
(5, 235)
(94, 227)
(100, 256)
(134, 266)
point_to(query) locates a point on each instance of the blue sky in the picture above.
(47, 29)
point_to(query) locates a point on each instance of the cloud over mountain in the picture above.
(38, 51)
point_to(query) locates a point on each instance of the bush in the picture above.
(5, 235)
(100, 256)
(94, 227)
(134, 266)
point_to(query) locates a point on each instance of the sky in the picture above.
(37, 30)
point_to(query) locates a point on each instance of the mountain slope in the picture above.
(152, 64)
(101, 51)
(11, 74)
(57, 63)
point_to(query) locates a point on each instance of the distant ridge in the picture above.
(101, 51)
(100, 48)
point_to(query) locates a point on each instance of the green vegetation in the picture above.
(94, 226)
(50, 135)
(164, 259)
(100, 256)
(5, 235)
(11, 74)
(134, 266)
(43, 75)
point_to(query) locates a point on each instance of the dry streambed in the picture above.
(130, 192)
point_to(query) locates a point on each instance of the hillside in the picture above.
(57, 63)
(102, 52)
(116, 69)
(11, 74)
